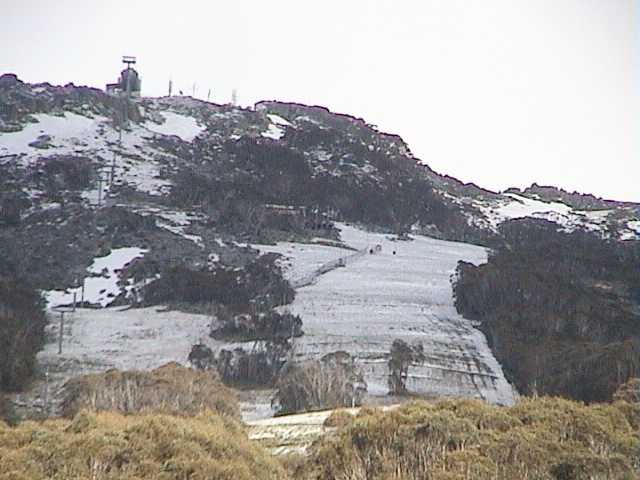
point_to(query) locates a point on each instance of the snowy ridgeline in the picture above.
(512, 206)
(382, 296)
(142, 165)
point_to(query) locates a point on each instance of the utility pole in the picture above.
(113, 164)
(46, 392)
(128, 61)
(99, 189)
(61, 333)
(101, 181)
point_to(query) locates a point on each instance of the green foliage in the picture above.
(110, 446)
(269, 326)
(7, 412)
(401, 357)
(64, 173)
(544, 438)
(258, 367)
(22, 323)
(260, 282)
(396, 191)
(560, 310)
(169, 389)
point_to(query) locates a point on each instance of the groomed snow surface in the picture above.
(359, 308)
(379, 297)
(96, 340)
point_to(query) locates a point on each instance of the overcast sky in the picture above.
(496, 92)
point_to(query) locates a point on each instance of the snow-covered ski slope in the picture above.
(96, 340)
(381, 296)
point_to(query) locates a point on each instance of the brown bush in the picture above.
(339, 419)
(110, 446)
(542, 439)
(332, 382)
(171, 388)
(628, 391)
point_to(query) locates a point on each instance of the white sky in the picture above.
(498, 92)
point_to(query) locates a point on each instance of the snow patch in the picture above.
(102, 287)
(512, 206)
(633, 232)
(278, 120)
(173, 221)
(68, 132)
(526, 207)
(274, 132)
(187, 128)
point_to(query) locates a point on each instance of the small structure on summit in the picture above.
(129, 82)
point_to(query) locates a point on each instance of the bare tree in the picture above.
(334, 381)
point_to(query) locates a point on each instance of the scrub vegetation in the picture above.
(541, 438)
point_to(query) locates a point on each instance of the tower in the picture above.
(129, 82)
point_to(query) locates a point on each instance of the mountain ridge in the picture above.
(127, 201)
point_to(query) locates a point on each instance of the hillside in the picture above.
(560, 310)
(254, 234)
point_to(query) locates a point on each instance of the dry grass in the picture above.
(339, 419)
(169, 389)
(541, 439)
(110, 446)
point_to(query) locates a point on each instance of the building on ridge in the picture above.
(129, 82)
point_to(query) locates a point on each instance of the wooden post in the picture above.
(75, 295)
(61, 333)
(82, 292)
(113, 168)
(46, 392)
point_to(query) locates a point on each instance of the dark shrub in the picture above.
(22, 323)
